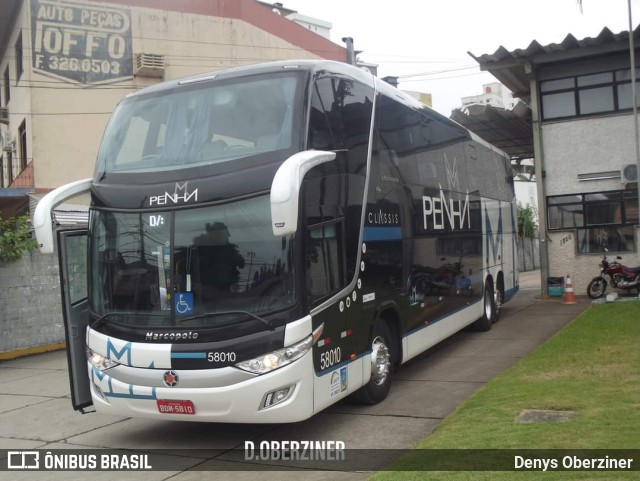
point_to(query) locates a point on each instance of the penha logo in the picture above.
(437, 209)
(180, 194)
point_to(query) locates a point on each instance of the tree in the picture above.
(527, 225)
(15, 238)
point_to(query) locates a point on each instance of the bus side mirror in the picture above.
(42, 222)
(285, 188)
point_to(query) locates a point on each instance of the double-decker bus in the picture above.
(267, 240)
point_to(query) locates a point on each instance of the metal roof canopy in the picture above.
(509, 130)
(515, 69)
(71, 214)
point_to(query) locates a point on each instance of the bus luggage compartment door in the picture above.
(72, 251)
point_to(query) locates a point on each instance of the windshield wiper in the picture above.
(229, 313)
(122, 313)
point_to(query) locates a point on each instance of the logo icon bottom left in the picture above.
(23, 460)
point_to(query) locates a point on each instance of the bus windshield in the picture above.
(189, 267)
(201, 123)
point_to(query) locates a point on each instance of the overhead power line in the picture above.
(445, 77)
(435, 72)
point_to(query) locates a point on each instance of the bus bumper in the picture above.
(237, 403)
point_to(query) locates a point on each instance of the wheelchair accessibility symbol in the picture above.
(183, 303)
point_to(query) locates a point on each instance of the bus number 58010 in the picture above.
(330, 357)
(221, 356)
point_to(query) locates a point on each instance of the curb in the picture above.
(9, 355)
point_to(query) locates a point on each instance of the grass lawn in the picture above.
(591, 367)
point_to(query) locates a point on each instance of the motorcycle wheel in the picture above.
(596, 287)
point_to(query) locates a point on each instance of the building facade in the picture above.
(494, 94)
(65, 64)
(316, 25)
(580, 93)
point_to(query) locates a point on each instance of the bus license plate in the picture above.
(176, 407)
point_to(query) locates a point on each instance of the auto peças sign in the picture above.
(86, 43)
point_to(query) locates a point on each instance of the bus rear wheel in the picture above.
(382, 357)
(498, 300)
(489, 310)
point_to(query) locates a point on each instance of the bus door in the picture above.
(72, 249)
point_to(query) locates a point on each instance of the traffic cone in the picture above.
(569, 296)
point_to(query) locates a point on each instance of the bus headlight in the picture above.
(99, 361)
(277, 359)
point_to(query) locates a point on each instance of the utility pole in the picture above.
(634, 97)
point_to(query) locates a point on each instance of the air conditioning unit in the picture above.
(7, 143)
(4, 116)
(149, 65)
(629, 173)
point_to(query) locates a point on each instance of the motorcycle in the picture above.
(621, 277)
(429, 281)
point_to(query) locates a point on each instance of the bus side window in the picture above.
(325, 263)
(340, 118)
(324, 122)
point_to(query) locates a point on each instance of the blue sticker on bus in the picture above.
(183, 303)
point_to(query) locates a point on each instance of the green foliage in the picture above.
(15, 238)
(591, 367)
(527, 224)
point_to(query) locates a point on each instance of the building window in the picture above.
(601, 219)
(614, 239)
(587, 94)
(19, 65)
(7, 87)
(22, 138)
(1, 171)
(565, 212)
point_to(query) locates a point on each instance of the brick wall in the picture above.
(30, 305)
(584, 267)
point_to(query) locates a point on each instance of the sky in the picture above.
(432, 37)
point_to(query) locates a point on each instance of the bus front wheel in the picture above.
(382, 357)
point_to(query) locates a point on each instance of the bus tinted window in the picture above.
(340, 119)
(201, 124)
(225, 258)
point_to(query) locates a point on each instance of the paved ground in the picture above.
(36, 413)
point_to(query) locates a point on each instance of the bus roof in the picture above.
(313, 67)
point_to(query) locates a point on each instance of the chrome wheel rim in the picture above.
(380, 361)
(497, 299)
